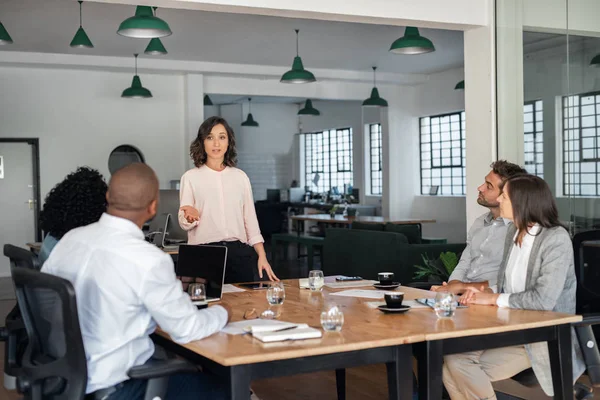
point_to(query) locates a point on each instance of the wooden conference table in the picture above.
(370, 337)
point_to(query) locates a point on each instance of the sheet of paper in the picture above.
(350, 284)
(237, 328)
(367, 294)
(229, 288)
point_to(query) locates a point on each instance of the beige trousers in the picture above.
(470, 375)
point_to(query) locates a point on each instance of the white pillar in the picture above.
(509, 72)
(194, 112)
(480, 110)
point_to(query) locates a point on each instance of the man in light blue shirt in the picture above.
(480, 261)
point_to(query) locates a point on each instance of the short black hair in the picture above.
(78, 200)
(507, 170)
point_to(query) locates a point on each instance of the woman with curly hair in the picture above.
(78, 200)
(217, 206)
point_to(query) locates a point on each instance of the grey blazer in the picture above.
(550, 286)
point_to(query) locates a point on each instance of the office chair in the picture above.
(13, 333)
(54, 364)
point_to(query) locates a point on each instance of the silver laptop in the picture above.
(204, 262)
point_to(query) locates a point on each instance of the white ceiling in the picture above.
(47, 26)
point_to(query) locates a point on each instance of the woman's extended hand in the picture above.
(263, 264)
(474, 296)
(190, 213)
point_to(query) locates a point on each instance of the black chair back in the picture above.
(54, 365)
(587, 270)
(13, 332)
(20, 257)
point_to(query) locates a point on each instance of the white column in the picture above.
(480, 110)
(194, 112)
(509, 65)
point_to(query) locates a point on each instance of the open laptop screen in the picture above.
(205, 264)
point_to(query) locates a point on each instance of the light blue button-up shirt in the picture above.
(481, 258)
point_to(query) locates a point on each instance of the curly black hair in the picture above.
(78, 200)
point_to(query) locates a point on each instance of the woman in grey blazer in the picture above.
(536, 273)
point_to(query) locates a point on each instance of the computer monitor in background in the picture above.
(169, 204)
(273, 195)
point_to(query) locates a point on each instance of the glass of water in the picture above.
(444, 305)
(197, 291)
(275, 294)
(332, 318)
(316, 280)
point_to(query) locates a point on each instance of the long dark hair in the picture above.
(197, 151)
(532, 203)
(78, 200)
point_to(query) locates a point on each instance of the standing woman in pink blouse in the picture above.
(216, 204)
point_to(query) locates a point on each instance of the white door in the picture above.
(17, 200)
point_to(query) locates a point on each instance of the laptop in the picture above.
(205, 262)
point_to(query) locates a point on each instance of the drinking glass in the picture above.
(316, 280)
(332, 318)
(444, 305)
(275, 294)
(197, 291)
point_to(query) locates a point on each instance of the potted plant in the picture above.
(333, 210)
(436, 270)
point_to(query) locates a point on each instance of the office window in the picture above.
(328, 160)
(581, 153)
(442, 139)
(375, 158)
(534, 137)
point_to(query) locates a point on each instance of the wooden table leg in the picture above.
(239, 382)
(399, 374)
(340, 383)
(430, 358)
(561, 363)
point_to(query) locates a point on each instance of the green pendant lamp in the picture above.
(136, 91)
(375, 100)
(297, 74)
(155, 47)
(412, 43)
(595, 61)
(207, 101)
(250, 120)
(460, 85)
(81, 39)
(4, 36)
(144, 25)
(309, 109)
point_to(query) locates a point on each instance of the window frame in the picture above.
(379, 149)
(441, 167)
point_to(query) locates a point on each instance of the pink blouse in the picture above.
(224, 200)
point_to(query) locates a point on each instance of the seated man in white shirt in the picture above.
(126, 287)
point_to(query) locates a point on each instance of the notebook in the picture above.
(206, 264)
(298, 333)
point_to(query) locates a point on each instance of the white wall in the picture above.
(265, 153)
(80, 118)
(438, 96)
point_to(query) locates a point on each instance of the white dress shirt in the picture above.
(125, 287)
(516, 268)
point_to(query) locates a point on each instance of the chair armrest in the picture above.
(589, 319)
(160, 368)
